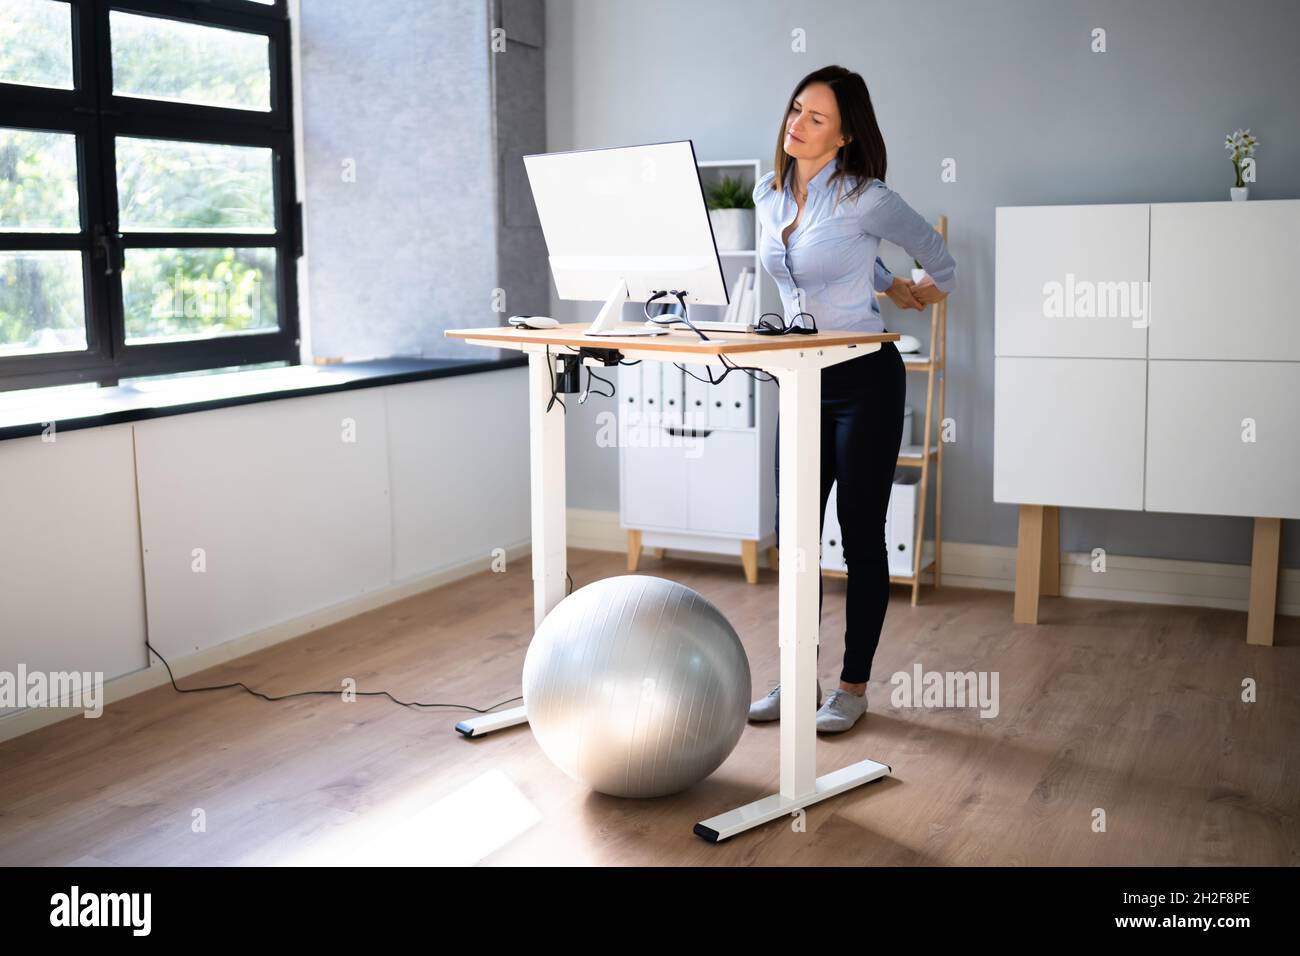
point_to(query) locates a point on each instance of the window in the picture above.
(148, 223)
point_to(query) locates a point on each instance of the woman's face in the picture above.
(812, 127)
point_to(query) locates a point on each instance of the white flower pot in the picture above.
(733, 229)
(1239, 193)
(918, 275)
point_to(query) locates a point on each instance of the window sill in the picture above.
(28, 412)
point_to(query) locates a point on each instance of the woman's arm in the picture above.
(882, 278)
(885, 214)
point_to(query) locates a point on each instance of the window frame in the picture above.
(96, 116)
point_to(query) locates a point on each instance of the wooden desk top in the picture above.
(677, 340)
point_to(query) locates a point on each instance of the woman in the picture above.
(824, 210)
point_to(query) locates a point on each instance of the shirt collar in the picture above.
(827, 171)
(818, 181)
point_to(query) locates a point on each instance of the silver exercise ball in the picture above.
(636, 686)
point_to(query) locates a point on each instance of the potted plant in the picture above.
(918, 272)
(1242, 146)
(731, 210)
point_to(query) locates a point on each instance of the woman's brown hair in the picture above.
(863, 155)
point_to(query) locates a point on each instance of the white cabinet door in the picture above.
(1206, 257)
(1069, 432)
(832, 543)
(652, 481)
(629, 394)
(1071, 281)
(722, 484)
(1200, 459)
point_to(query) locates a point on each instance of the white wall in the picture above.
(291, 517)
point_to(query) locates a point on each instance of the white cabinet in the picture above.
(1069, 431)
(1070, 281)
(1224, 438)
(652, 478)
(1187, 402)
(1218, 277)
(711, 482)
(720, 501)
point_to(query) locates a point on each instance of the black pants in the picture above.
(862, 428)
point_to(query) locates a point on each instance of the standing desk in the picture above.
(797, 362)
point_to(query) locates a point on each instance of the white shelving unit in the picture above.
(697, 461)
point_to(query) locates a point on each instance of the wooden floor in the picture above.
(1130, 709)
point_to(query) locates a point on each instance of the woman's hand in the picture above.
(900, 293)
(927, 293)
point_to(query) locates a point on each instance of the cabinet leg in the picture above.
(1050, 581)
(657, 553)
(1264, 562)
(633, 549)
(1029, 564)
(772, 558)
(749, 558)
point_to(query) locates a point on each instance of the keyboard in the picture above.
(706, 325)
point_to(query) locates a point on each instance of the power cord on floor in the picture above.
(310, 693)
(327, 693)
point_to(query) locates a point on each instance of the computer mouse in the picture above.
(533, 321)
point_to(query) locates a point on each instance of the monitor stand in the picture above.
(610, 319)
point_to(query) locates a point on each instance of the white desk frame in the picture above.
(797, 366)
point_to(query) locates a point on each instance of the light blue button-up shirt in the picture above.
(827, 256)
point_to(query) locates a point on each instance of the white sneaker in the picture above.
(840, 712)
(769, 707)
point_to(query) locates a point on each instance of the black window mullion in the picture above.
(101, 186)
(82, 126)
(98, 117)
(276, 29)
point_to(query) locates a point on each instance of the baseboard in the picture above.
(128, 685)
(993, 567)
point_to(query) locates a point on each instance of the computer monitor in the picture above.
(624, 222)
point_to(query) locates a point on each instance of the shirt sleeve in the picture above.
(887, 215)
(883, 279)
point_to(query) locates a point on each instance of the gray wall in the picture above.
(519, 73)
(1011, 91)
(404, 90)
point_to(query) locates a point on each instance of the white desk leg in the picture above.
(546, 456)
(800, 568)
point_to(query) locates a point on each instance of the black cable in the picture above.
(309, 693)
(550, 367)
(708, 381)
(749, 369)
(570, 591)
(590, 376)
(767, 328)
(668, 318)
(731, 367)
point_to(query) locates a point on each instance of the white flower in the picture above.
(1242, 143)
